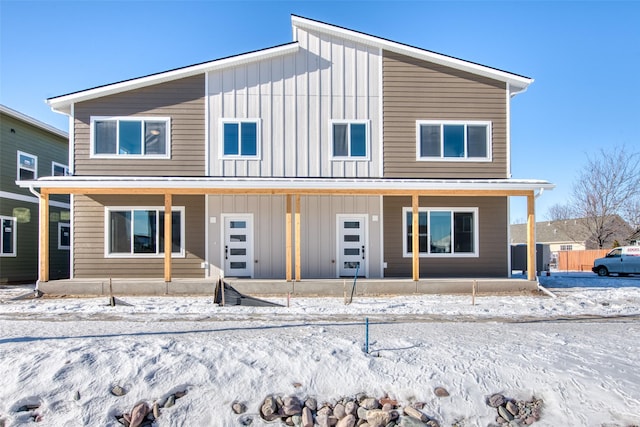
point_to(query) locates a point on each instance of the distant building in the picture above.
(634, 239)
(30, 149)
(571, 234)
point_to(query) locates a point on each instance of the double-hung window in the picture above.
(133, 232)
(130, 137)
(453, 140)
(8, 238)
(58, 169)
(350, 139)
(442, 232)
(240, 138)
(27, 166)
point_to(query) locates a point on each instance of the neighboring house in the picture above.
(634, 239)
(30, 149)
(571, 234)
(335, 155)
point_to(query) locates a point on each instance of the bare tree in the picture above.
(607, 187)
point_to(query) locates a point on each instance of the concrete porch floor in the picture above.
(306, 287)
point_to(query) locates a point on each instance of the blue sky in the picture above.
(584, 57)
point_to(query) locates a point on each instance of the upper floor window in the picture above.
(453, 140)
(27, 166)
(350, 139)
(444, 232)
(240, 138)
(133, 232)
(130, 136)
(58, 169)
(8, 236)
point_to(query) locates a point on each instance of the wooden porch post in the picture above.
(288, 238)
(298, 238)
(44, 237)
(415, 242)
(531, 237)
(168, 244)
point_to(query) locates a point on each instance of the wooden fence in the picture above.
(579, 260)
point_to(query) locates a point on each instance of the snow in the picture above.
(578, 352)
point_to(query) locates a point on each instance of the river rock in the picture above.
(238, 408)
(118, 391)
(378, 418)
(171, 400)
(512, 408)
(361, 413)
(414, 413)
(138, 414)
(502, 411)
(351, 407)
(311, 403)
(496, 400)
(307, 417)
(269, 406)
(441, 392)
(348, 420)
(339, 411)
(370, 403)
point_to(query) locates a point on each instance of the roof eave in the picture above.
(62, 104)
(293, 184)
(520, 83)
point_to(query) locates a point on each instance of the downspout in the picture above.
(540, 287)
(36, 291)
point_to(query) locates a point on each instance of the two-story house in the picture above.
(30, 149)
(338, 154)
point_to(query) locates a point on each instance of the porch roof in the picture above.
(257, 185)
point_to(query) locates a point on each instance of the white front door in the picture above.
(238, 245)
(352, 245)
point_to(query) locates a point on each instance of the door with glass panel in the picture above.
(352, 245)
(238, 246)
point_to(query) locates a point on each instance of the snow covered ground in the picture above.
(578, 352)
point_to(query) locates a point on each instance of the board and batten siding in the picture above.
(414, 90)
(493, 223)
(182, 100)
(295, 97)
(318, 219)
(89, 239)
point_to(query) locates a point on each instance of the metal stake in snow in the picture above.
(366, 335)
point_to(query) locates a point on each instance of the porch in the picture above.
(280, 288)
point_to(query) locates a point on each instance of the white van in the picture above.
(622, 261)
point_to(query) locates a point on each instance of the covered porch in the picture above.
(282, 288)
(293, 190)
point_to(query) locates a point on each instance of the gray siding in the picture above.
(17, 135)
(493, 244)
(418, 90)
(89, 239)
(181, 100)
(24, 266)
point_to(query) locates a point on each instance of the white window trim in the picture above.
(455, 159)
(107, 211)
(366, 158)
(93, 155)
(60, 165)
(258, 123)
(15, 236)
(476, 234)
(35, 165)
(60, 226)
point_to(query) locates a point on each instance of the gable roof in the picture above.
(34, 122)
(517, 83)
